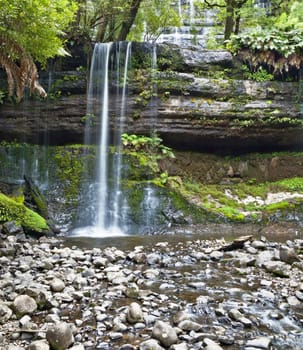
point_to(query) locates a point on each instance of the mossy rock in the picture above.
(11, 210)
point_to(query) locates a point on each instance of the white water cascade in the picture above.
(103, 205)
(103, 144)
(195, 26)
(117, 204)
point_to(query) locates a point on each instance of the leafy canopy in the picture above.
(36, 26)
(153, 18)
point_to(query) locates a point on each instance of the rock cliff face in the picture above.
(201, 103)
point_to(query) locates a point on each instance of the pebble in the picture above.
(211, 345)
(259, 343)
(23, 304)
(165, 333)
(150, 344)
(60, 336)
(38, 345)
(183, 296)
(134, 313)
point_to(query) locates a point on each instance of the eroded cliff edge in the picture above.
(201, 103)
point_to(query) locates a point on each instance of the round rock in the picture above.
(23, 304)
(134, 313)
(165, 333)
(150, 344)
(57, 285)
(60, 336)
(38, 345)
(5, 313)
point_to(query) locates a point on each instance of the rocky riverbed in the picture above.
(178, 294)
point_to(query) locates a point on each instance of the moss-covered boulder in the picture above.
(10, 210)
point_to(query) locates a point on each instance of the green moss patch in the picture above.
(11, 210)
(243, 201)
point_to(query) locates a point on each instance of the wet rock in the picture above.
(77, 347)
(211, 345)
(132, 291)
(127, 347)
(11, 228)
(153, 258)
(299, 295)
(266, 294)
(235, 314)
(150, 344)
(115, 335)
(165, 333)
(38, 345)
(57, 285)
(259, 343)
(60, 336)
(258, 245)
(180, 316)
(277, 268)
(23, 304)
(5, 313)
(134, 313)
(216, 255)
(288, 255)
(237, 243)
(182, 346)
(187, 325)
(294, 302)
(100, 262)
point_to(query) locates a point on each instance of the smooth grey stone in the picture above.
(38, 345)
(150, 344)
(23, 304)
(260, 343)
(57, 285)
(5, 313)
(165, 333)
(60, 336)
(187, 325)
(211, 345)
(134, 313)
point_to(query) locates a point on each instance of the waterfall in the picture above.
(118, 166)
(195, 26)
(177, 30)
(192, 13)
(102, 175)
(102, 201)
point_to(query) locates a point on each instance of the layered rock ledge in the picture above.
(200, 103)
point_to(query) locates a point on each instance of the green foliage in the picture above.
(278, 50)
(148, 144)
(153, 17)
(36, 26)
(70, 165)
(292, 184)
(104, 20)
(89, 119)
(291, 19)
(260, 74)
(10, 210)
(230, 201)
(2, 96)
(282, 42)
(148, 151)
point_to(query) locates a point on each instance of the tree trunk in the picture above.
(101, 30)
(229, 20)
(129, 19)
